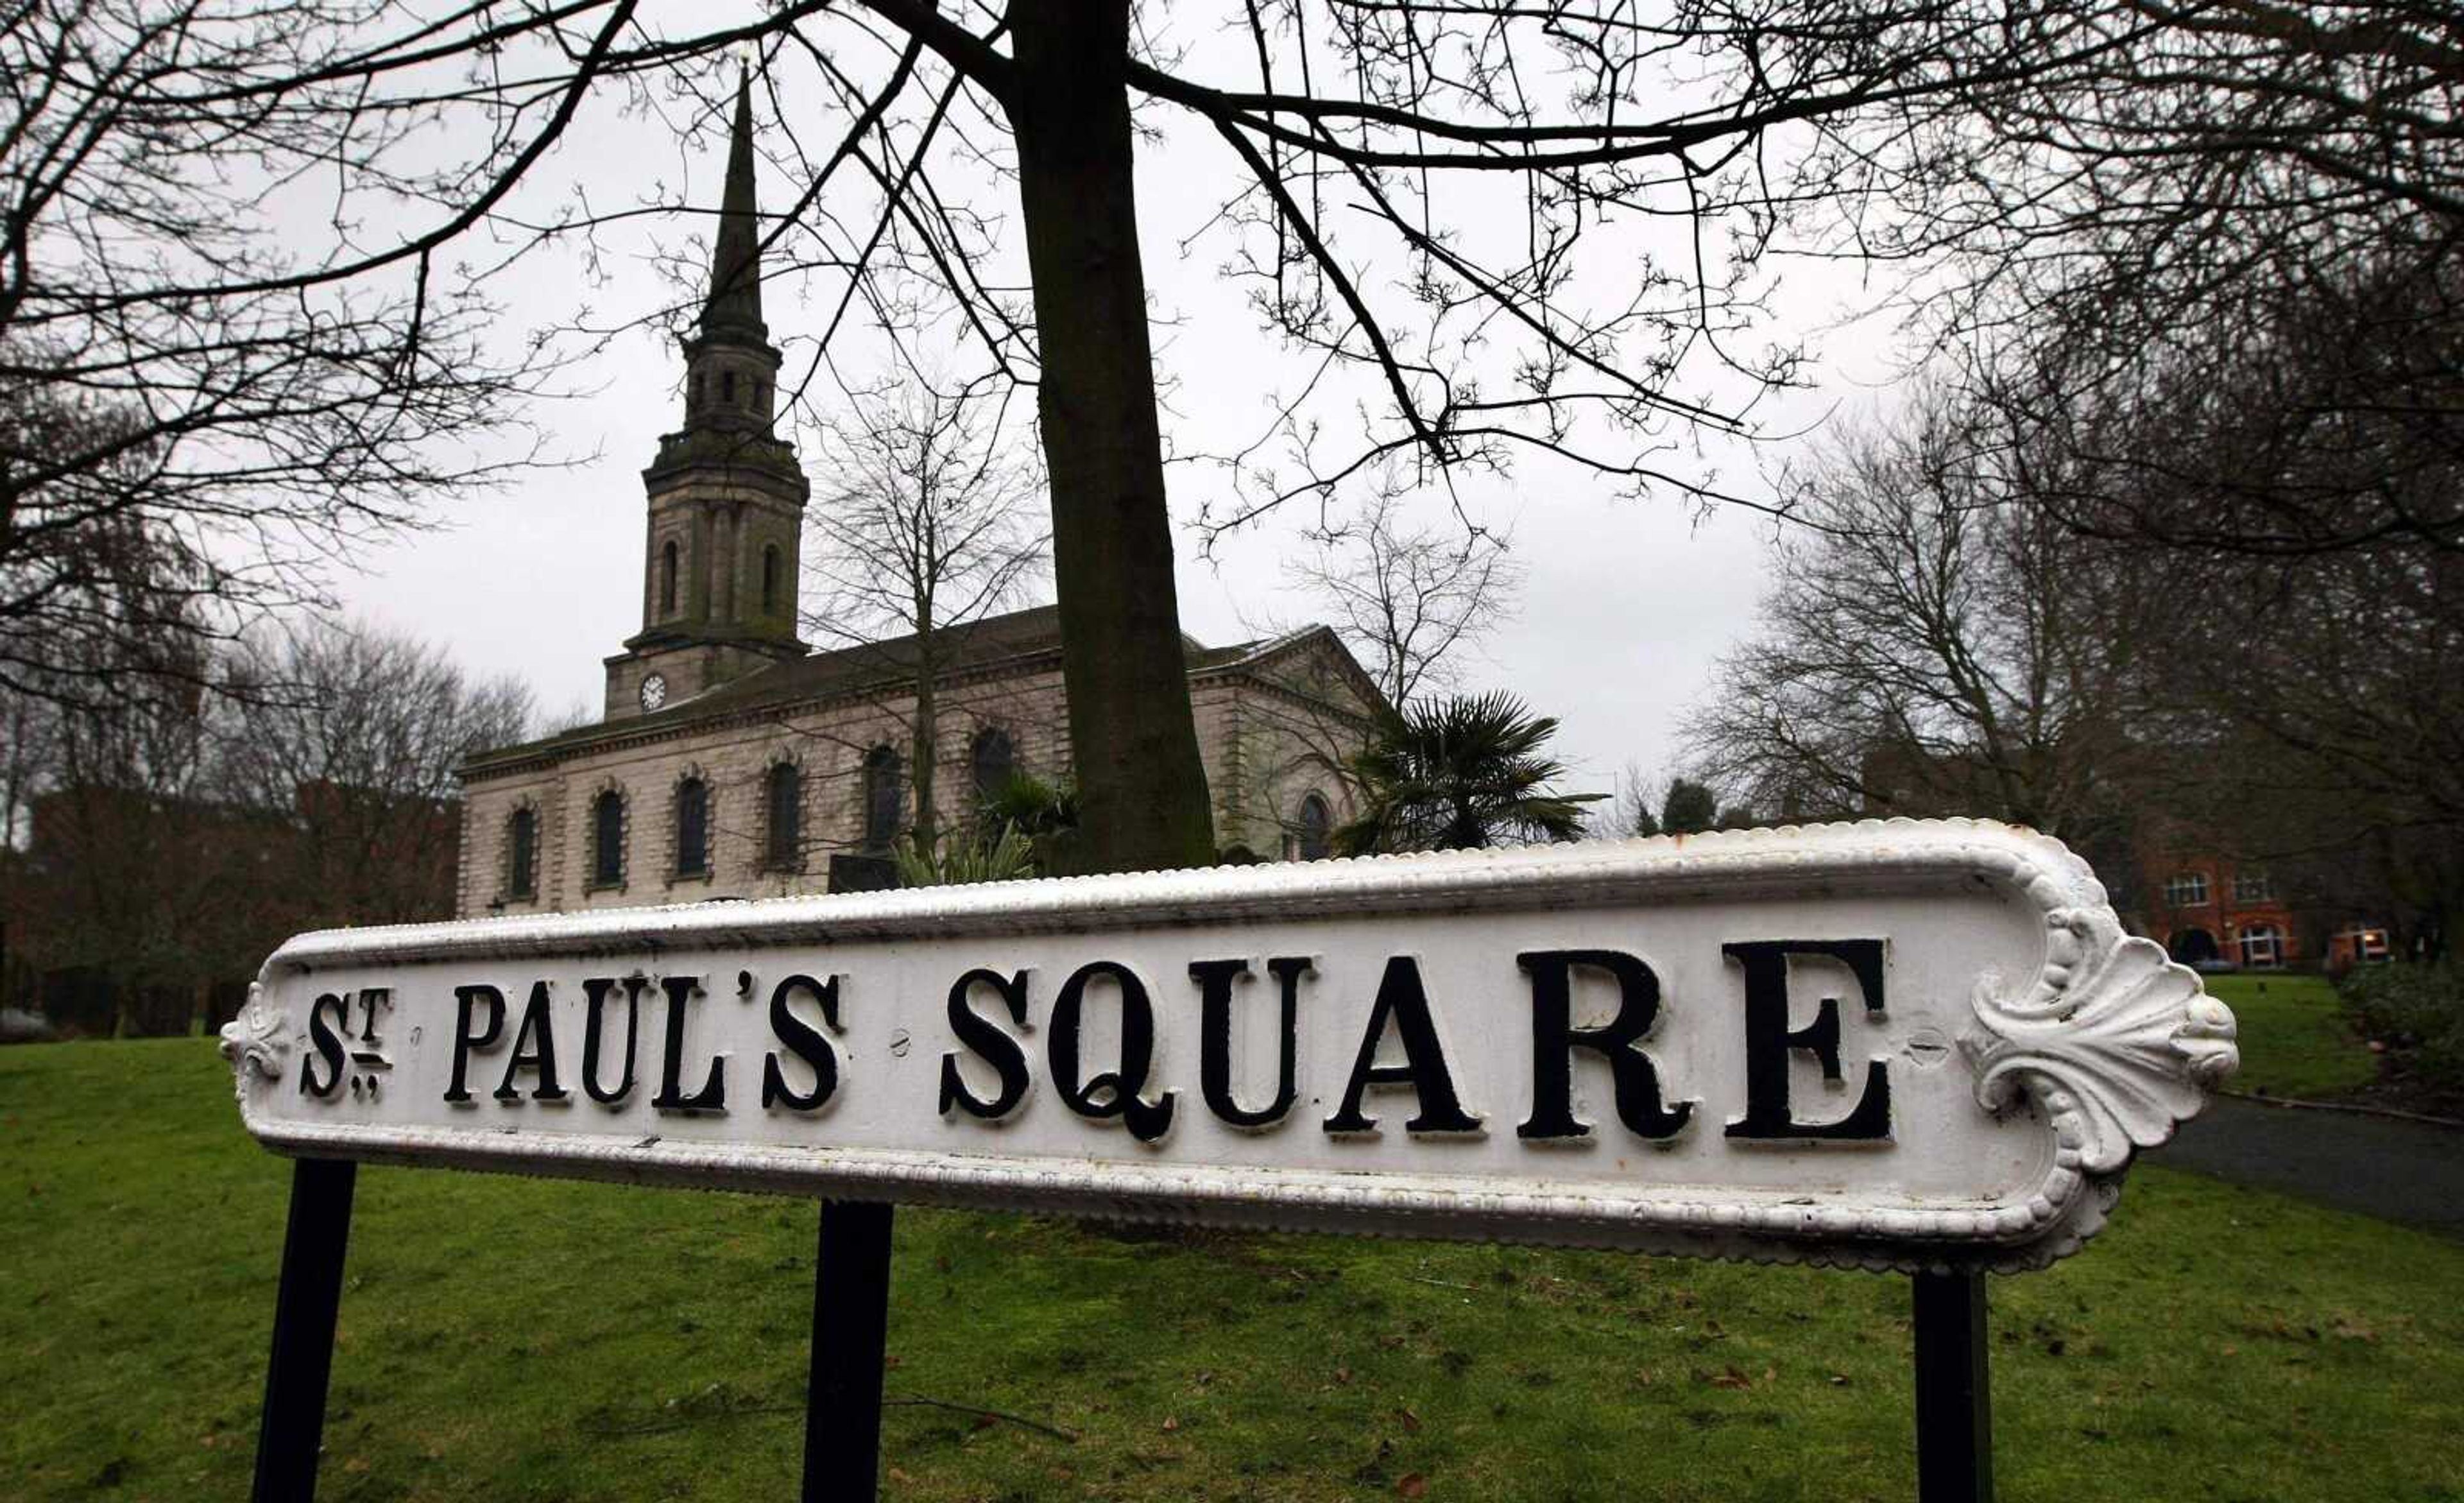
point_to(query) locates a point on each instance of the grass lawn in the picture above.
(2294, 1041)
(506, 1340)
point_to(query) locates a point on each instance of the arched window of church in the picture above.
(692, 827)
(769, 578)
(521, 854)
(607, 839)
(727, 385)
(1317, 829)
(996, 762)
(692, 393)
(783, 797)
(668, 578)
(880, 799)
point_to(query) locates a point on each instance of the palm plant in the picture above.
(1457, 772)
(998, 855)
(1045, 814)
(1035, 807)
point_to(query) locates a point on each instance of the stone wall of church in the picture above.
(1271, 739)
(828, 744)
(1268, 741)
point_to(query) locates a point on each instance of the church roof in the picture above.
(1009, 642)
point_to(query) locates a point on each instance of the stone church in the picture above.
(732, 761)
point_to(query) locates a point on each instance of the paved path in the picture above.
(2398, 1171)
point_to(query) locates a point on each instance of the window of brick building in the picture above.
(692, 827)
(880, 799)
(1314, 837)
(521, 854)
(2261, 946)
(607, 839)
(782, 797)
(2189, 889)
(2252, 887)
(996, 761)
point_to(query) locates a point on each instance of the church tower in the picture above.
(727, 497)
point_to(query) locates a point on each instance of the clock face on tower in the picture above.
(654, 690)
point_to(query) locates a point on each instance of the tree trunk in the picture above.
(1141, 788)
(924, 749)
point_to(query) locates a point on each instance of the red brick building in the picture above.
(2209, 909)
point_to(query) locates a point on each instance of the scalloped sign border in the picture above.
(1655, 1045)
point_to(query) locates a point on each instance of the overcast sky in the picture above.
(1625, 606)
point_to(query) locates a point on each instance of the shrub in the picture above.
(994, 856)
(2417, 1012)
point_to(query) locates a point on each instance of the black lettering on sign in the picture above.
(325, 1043)
(1554, 1038)
(989, 1042)
(466, 999)
(1112, 1092)
(594, 1003)
(1401, 998)
(806, 1042)
(682, 992)
(370, 1000)
(534, 1050)
(1215, 979)
(1768, 1039)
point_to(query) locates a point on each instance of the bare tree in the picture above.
(178, 827)
(2287, 497)
(2321, 725)
(932, 522)
(126, 870)
(194, 369)
(2333, 423)
(1485, 231)
(1938, 649)
(1406, 598)
(350, 748)
(1633, 808)
(2186, 189)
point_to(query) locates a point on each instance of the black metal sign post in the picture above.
(851, 1332)
(1954, 1398)
(293, 1427)
(851, 1335)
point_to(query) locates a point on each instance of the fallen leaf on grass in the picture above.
(1414, 1486)
(1731, 1379)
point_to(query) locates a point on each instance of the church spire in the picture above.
(728, 363)
(735, 301)
(726, 492)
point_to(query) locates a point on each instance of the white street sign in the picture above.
(1896, 1045)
